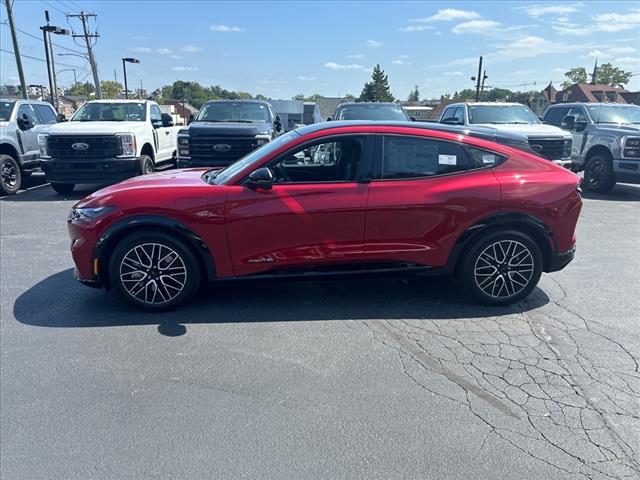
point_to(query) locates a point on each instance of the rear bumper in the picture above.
(560, 260)
(89, 170)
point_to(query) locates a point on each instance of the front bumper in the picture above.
(566, 163)
(560, 260)
(627, 170)
(90, 170)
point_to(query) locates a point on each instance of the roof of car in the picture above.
(490, 104)
(23, 100)
(487, 133)
(589, 104)
(369, 103)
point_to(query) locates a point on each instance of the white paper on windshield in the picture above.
(447, 159)
(488, 158)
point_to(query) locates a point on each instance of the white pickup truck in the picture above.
(107, 141)
(547, 141)
(21, 121)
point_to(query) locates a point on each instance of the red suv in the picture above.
(336, 198)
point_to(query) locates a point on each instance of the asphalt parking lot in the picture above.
(375, 378)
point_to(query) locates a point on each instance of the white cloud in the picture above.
(402, 60)
(355, 55)
(191, 49)
(185, 69)
(164, 51)
(142, 49)
(523, 72)
(475, 26)
(175, 57)
(628, 61)
(447, 14)
(226, 28)
(416, 28)
(619, 50)
(531, 46)
(602, 22)
(374, 43)
(453, 74)
(139, 37)
(596, 54)
(546, 9)
(306, 79)
(339, 66)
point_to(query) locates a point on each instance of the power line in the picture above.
(54, 7)
(40, 59)
(39, 38)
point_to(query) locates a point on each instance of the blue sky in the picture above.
(280, 49)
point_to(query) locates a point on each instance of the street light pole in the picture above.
(124, 68)
(48, 50)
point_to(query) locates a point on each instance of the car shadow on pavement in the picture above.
(620, 193)
(37, 190)
(59, 302)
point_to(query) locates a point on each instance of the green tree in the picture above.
(304, 98)
(348, 98)
(260, 97)
(609, 75)
(110, 89)
(80, 89)
(575, 75)
(414, 95)
(377, 90)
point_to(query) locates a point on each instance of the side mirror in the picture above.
(167, 121)
(329, 119)
(261, 178)
(413, 119)
(580, 126)
(190, 119)
(61, 118)
(568, 123)
(451, 121)
(278, 123)
(24, 123)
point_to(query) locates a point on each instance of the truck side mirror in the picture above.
(61, 118)
(568, 123)
(190, 119)
(167, 121)
(580, 126)
(24, 123)
(278, 123)
(329, 119)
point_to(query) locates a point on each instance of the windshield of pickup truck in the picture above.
(5, 111)
(111, 112)
(518, 114)
(242, 112)
(371, 112)
(615, 113)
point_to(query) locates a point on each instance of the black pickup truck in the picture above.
(225, 131)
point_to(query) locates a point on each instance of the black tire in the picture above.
(10, 175)
(511, 277)
(146, 165)
(63, 188)
(139, 279)
(598, 174)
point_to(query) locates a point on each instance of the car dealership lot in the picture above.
(373, 378)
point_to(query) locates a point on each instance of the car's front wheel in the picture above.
(154, 271)
(10, 175)
(598, 174)
(502, 267)
(146, 165)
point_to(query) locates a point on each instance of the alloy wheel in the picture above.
(595, 173)
(153, 273)
(9, 174)
(503, 269)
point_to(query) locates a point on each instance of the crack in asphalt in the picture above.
(537, 380)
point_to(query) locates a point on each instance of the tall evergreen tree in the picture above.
(414, 95)
(377, 90)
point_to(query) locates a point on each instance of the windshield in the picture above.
(501, 114)
(615, 113)
(5, 110)
(223, 175)
(110, 112)
(242, 112)
(371, 112)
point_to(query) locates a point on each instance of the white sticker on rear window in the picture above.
(447, 159)
(488, 158)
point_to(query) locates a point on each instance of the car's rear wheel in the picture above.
(598, 174)
(154, 271)
(63, 188)
(10, 175)
(502, 267)
(146, 165)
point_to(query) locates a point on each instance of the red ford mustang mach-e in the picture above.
(336, 198)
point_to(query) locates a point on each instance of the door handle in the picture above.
(167, 133)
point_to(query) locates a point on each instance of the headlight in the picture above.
(183, 140)
(88, 214)
(263, 138)
(128, 141)
(42, 144)
(566, 148)
(631, 147)
(183, 146)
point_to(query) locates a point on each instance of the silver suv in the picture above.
(20, 123)
(606, 141)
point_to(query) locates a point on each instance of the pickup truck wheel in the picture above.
(598, 174)
(10, 175)
(63, 188)
(146, 165)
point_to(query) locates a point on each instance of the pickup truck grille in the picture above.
(551, 149)
(220, 149)
(99, 146)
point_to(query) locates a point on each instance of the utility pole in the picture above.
(140, 93)
(115, 76)
(484, 77)
(84, 17)
(16, 49)
(477, 79)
